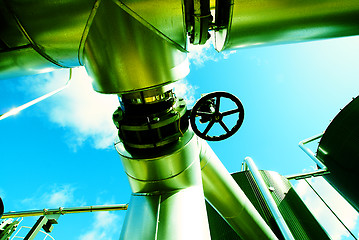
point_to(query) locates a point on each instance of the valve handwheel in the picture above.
(207, 109)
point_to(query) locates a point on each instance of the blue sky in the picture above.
(59, 152)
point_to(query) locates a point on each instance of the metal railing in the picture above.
(22, 227)
(322, 169)
(48, 217)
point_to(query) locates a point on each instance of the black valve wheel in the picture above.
(207, 110)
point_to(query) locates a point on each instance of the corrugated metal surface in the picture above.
(297, 216)
(300, 221)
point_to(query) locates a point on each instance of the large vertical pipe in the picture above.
(167, 200)
(175, 215)
(224, 194)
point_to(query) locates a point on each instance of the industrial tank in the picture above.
(338, 151)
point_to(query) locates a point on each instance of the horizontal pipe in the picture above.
(269, 199)
(261, 22)
(224, 194)
(322, 168)
(313, 138)
(64, 211)
(317, 173)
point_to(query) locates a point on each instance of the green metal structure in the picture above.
(136, 49)
(299, 219)
(338, 151)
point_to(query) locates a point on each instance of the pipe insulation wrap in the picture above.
(224, 194)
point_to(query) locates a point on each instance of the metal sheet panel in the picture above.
(166, 164)
(183, 215)
(10, 35)
(166, 16)
(174, 168)
(299, 219)
(124, 53)
(262, 22)
(53, 28)
(224, 194)
(23, 61)
(176, 215)
(141, 217)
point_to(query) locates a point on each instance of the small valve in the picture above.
(208, 110)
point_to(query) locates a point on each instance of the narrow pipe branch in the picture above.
(269, 199)
(317, 173)
(63, 211)
(224, 194)
(309, 152)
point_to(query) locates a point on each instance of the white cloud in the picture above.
(105, 219)
(86, 113)
(342, 208)
(200, 54)
(105, 226)
(226, 54)
(61, 197)
(53, 197)
(185, 90)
